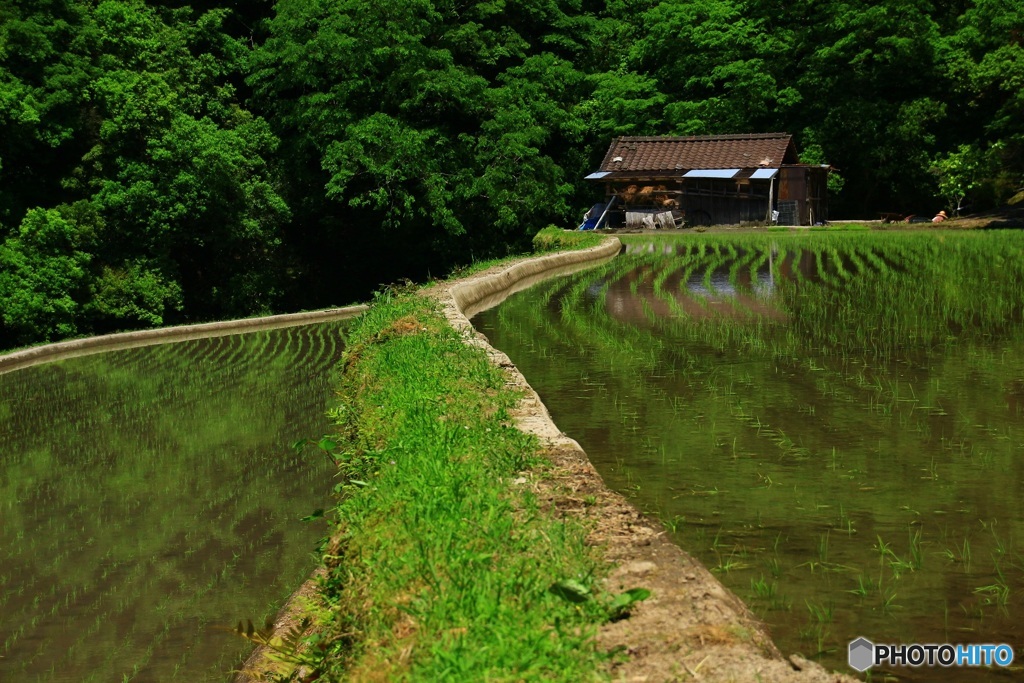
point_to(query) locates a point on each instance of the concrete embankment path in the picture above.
(163, 335)
(692, 627)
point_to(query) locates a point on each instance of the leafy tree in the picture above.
(133, 294)
(871, 86)
(43, 275)
(959, 173)
(717, 60)
(984, 62)
(812, 153)
(130, 110)
(44, 72)
(444, 125)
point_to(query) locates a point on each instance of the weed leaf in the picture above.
(317, 514)
(570, 590)
(619, 607)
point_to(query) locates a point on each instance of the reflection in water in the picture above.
(150, 496)
(834, 427)
(744, 294)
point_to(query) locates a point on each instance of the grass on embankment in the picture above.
(441, 566)
(553, 238)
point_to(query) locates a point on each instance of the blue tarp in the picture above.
(592, 217)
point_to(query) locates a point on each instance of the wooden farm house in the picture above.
(706, 180)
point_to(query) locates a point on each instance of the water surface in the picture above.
(151, 499)
(833, 424)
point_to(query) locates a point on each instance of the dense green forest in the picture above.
(169, 162)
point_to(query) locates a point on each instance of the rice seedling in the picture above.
(821, 613)
(997, 593)
(845, 522)
(675, 523)
(865, 586)
(961, 554)
(916, 555)
(763, 589)
(889, 596)
(816, 631)
(733, 562)
(1000, 545)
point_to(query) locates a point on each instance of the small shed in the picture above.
(710, 179)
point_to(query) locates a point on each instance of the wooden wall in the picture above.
(717, 201)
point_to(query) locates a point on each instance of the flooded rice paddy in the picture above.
(833, 424)
(151, 499)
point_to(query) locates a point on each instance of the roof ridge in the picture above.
(687, 138)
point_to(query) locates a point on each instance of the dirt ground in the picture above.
(692, 627)
(1011, 217)
(1008, 217)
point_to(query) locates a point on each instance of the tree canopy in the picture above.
(137, 190)
(178, 161)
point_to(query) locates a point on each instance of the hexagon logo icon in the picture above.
(862, 654)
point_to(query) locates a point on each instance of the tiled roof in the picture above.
(674, 154)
